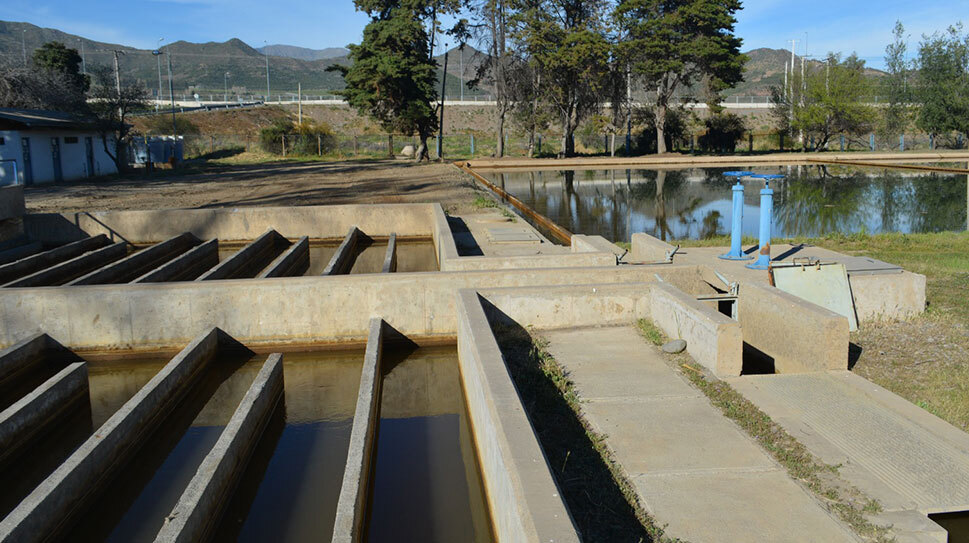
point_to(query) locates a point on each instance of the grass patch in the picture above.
(849, 503)
(483, 202)
(600, 496)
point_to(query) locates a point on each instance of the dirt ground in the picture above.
(268, 184)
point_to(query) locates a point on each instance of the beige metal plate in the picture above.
(825, 285)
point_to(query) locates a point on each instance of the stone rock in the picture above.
(675, 346)
(408, 151)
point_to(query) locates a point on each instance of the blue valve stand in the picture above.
(766, 217)
(736, 227)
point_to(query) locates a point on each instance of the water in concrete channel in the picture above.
(133, 506)
(696, 203)
(425, 484)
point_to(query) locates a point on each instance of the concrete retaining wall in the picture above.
(548, 308)
(38, 262)
(11, 202)
(523, 499)
(261, 310)
(64, 272)
(712, 339)
(798, 335)
(186, 267)
(896, 296)
(50, 507)
(646, 248)
(292, 262)
(199, 509)
(137, 264)
(38, 410)
(235, 224)
(348, 527)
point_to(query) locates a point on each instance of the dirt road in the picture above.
(268, 184)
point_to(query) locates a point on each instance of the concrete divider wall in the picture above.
(342, 260)
(38, 410)
(896, 296)
(19, 252)
(261, 310)
(646, 248)
(348, 526)
(140, 262)
(64, 272)
(523, 499)
(714, 340)
(234, 224)
(548, 308)
(50, 507)
(390, 256)
(250, 260)
(798, 335)
(38, 262)
(11, 202)
(293, 261)
(186, 267)
(594, 244)
(200, 507)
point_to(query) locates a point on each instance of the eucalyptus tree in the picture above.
(490, 26)
(565, 43)
(943, 82)
(897, 112)
(672, 45)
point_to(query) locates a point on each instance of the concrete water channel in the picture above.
(334, 372)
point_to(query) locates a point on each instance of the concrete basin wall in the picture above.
(294, 310)
(524, 501)
(798, 335)
(11, 202)
(895, 296)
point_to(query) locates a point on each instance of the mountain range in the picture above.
(207, 68)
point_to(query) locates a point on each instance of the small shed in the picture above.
(38, 147)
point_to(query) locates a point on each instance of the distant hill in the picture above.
(302, 53)
(200, 67)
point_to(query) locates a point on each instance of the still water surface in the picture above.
(696, 203)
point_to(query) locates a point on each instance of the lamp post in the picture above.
(158, 58)
(226, 97)
(266, 54)
(440, 128)
(23, 43)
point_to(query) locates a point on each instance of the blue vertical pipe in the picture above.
(871, 142)
(736, 226)
(842, 143)
(472, 144)
(766, 218)
(901, 142)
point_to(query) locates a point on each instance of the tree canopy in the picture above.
(56, 57)
(943, 82)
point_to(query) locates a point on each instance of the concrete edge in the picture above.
(56, 273)
(200, 506)
(33, 264)
(351, 507)
(523, 499)
(446, 247)
(341, 262)
(582, 243)
(390, 257)
(50, 506)
(243, 257)
(714, 340)
(646, 248)
(135, 264)
(563, 260)
(20, 356)
(34, 412)
(293, 261)
(195, 261)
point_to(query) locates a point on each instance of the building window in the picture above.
(70, 139)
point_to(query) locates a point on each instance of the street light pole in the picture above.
(171, 92)
(158, 58)
(23, 43)
(266, 53)
(226, 97)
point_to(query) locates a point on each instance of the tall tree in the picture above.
(675, 44)
(943, 82)
(54, 56)
(491, 18)
(111, 107)
(566, 44)
(36, 88)
(832, 99)
(393, 73)
(895, 84)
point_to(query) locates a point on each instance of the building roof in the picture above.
(36, 118)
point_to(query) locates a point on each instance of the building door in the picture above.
(55, 153)
(89, 149)
(28, 171)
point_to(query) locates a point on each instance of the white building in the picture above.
(49, 147)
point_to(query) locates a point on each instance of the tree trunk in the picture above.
(390, 145)
(422, 153)
(500, 133)
(660, 128)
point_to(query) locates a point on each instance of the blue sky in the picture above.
(831, 25)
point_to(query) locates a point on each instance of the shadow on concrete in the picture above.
(854, 353)
(598, 505)
(463, 239)
(756, 362)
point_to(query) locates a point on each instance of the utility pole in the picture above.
(299, 100)
(171, 93)
(629, 110)
(462, 71)
(440, 128)
(266, 53)
(83, 59)
(117, 78)
(158, 58)
(23, 43)
(225, 98)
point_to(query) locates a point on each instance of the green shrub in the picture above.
(301, 139)
(723, 132)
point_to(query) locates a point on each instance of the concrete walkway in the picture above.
(496, 235)
(694, 469)
(894, 451)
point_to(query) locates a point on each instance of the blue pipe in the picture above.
(737, 223)
(766, 217)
